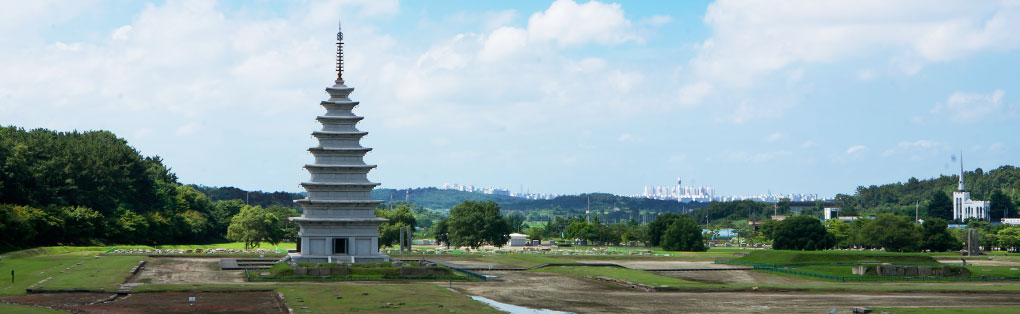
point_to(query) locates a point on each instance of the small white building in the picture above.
(1011, 221)
(831, 213)
(964, 207)
(518, 239)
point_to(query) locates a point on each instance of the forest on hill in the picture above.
(81, 188)
(1001, 186)
(254, 198)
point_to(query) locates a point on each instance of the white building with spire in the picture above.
(338, 223)
(964, 207)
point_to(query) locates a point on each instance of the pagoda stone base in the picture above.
(298, 257)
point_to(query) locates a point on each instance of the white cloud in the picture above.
(657, 20)
(856, 150)
(690, 95)
(752, 38)
(504, 42)
(746, 157)
(917, 150)
(568, 23)
(752, 43)
(963, 107)
(775, 137)
(121, 33)
(627, 137)
(866, 74)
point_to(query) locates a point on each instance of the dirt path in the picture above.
(661, 264)
(159, 302)
(174, 270)
(557, 292)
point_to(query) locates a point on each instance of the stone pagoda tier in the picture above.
(338, 223)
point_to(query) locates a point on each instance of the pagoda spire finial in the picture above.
(339, 54)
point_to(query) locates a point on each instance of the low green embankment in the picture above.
(837, 265)
(780, 257)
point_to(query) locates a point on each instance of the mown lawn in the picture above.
(104, 272)
(631, 275)
(994, 271)
(32, 266)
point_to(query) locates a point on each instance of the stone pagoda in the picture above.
(339, 222)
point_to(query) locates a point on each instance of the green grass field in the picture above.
(106, 272)
(631, 275)
(810, 257)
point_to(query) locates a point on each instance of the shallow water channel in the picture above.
(515, 309)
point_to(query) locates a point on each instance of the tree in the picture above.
(683, 234)
(935, 236)
(840, 231)
(290, 229)
(441, 232)
(658, 227)
(802, 233)
(254, 225)
(398, 218)
(892, 232)
(1009, 238)
(535, 233)
(581, 230)
(475, 223)
(516, 221)
(940, 205)
(1001, 205)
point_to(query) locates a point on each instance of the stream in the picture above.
(515, 309)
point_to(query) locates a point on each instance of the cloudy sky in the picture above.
(562, 97)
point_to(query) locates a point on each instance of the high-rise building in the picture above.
(338, 223)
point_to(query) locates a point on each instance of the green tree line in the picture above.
(80, 188)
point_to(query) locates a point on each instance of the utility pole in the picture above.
(916, 204)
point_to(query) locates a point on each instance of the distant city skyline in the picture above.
(564, 97)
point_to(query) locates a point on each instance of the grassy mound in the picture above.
(832, 257)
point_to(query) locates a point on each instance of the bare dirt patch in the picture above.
(468, 262)
(159, 302)
(175, 270)
(558, 292)
(734, 277)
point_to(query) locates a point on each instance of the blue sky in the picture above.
(560, 97)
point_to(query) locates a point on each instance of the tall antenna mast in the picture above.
(339, 55)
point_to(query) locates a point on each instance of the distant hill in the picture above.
(442, 199)
(601, 202)
(264, 199)
(439, 199)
